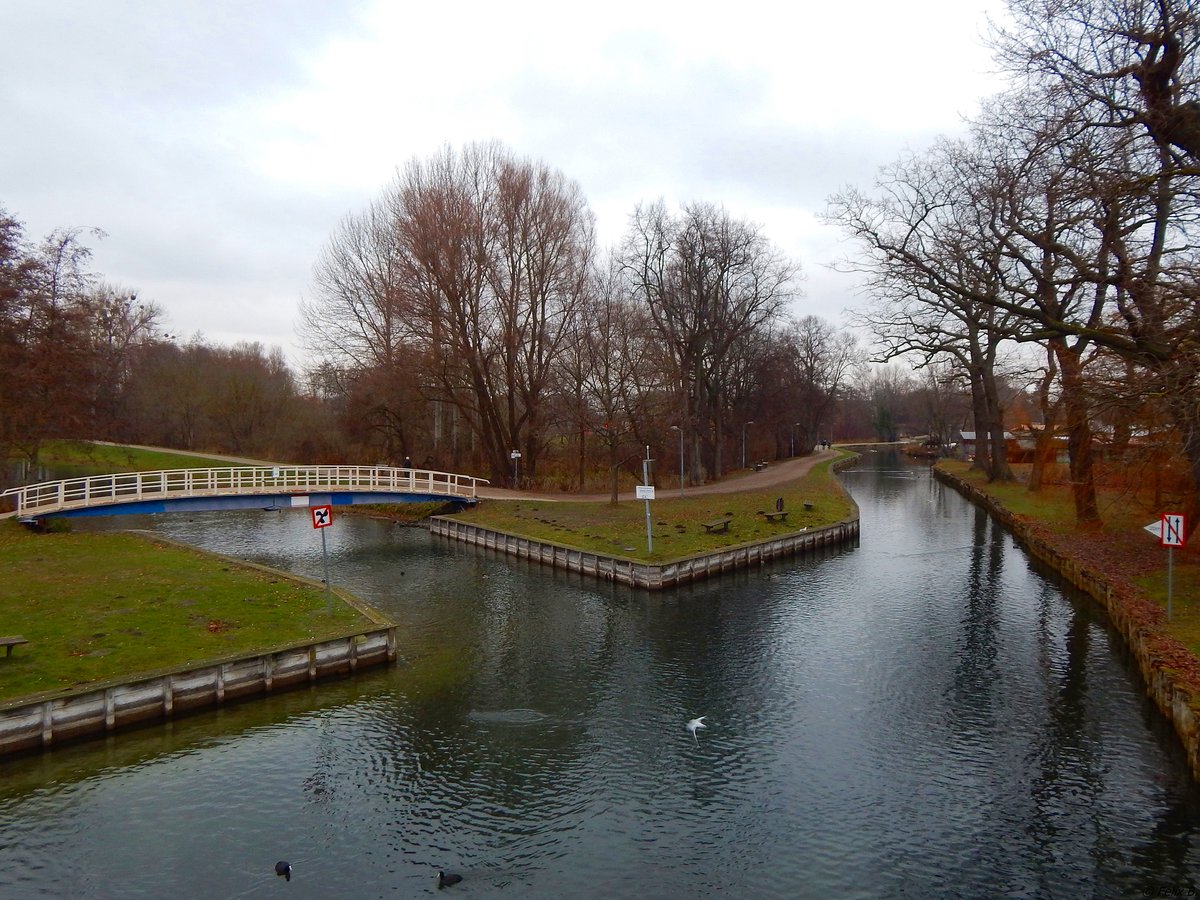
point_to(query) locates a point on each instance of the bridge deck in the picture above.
(132, 488)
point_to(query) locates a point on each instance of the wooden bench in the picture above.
(717, 524)
(808, 507)
(9, 642)
(781, 515)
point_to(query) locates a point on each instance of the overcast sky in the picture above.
(219, 143)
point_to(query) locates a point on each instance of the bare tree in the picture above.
(613, 374)
(1121, 64)
(711, 283)
(1128, 72)
(821, 361)
(933, 271)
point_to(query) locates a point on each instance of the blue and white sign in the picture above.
(1169, 529)
(1172, 530)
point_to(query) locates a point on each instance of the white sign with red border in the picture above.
(1171, 534)
(322, 516)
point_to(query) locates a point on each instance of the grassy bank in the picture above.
(101, 606)
(1121, 550)
(676, 523)
(79, 458)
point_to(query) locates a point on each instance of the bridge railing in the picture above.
(99, 490)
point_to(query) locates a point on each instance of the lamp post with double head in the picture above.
(680, 430)
(744, 427)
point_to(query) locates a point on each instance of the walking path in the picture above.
(776, 473)
(238, 460)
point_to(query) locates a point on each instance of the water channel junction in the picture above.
(925, 713)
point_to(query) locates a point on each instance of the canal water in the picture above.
(924, 715)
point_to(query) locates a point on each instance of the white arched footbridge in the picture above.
(237, 487)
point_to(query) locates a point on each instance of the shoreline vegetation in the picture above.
(1122, 568)
(1122, 553)
(97, 607)
(676, 523)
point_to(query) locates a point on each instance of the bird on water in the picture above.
(445, 879)
(284, 870)
(694, 725)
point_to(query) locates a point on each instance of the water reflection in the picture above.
(923, 715)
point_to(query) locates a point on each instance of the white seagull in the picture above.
(695, 724)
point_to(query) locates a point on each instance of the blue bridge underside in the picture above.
(254, 501)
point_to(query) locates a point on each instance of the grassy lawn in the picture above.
(675, 522)
(101, 606)
(1053, 505)
(1121, 548)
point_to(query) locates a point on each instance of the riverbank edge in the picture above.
(40, 721)
(1141, 634)
(650, 576)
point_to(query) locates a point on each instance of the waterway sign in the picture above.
(322, 518)
(1169, 531)
(1172, 530)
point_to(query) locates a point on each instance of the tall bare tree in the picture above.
(711, 283)
(932, 261)
(1129, 72)
(471, 268)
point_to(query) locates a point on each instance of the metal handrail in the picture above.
(100, 490)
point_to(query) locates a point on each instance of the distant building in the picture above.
(965, 448)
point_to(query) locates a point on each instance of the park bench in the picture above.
(759, 466)
(808, 506)
(780, 514)
(717, 524)
(9, 642)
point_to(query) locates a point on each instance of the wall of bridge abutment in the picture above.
(48, 720)
(646, 575)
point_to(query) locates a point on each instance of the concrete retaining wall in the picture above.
(645, 575)
(1173, 700)
(51, 719)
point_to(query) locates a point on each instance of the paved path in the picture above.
(775, 473)
(235, 460)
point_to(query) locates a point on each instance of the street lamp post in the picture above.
(744, 427)
(680, 430)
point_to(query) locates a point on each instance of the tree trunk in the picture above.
(1079, 437)
(1043, 450)
(1185, 412)
(613, 469)
(982, 461)
(999, 469)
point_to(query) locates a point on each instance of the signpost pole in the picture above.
(322, 518)
(1170, 530)
(1170, 578)
(325, 557)
(646, 481)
